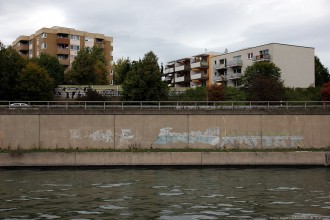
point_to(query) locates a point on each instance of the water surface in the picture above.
(166, 194)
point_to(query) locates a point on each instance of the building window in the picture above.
(223, 61)
(238, 70)
(75, 37)
(44, 35)
(237, 57)
(250, 56)
(43, 46)
(74, 47)
(264, 52)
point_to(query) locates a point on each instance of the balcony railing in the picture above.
(200, 64)
(198, 76)
(220, 78)
(234, 76)
(234, 63)
(169, 70)
(222, 66)
(63, 51)
(23, 47)
(262, 57)
(62, 41)
(181, 79)
(181, 68)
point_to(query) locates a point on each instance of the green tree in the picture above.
(216, 92)
(234, 94)
(321, 73)
(34, 83)
(262, 81)
(120, 70)
(194, 94)
(89, 68)
(54, 68)
(143, 81)
(11, 64)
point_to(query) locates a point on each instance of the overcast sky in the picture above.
(175, 29)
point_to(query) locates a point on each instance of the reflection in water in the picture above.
(166, 194)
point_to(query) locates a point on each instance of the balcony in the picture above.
(200, 64)
(220, 78)
(198, 76)
(169, 70)
(23, 47)
(62, 41)
(181, 79)
(221, 67)
(234, 76)
(181, 68)
(62, 51)
(261, 57)
(234, 63)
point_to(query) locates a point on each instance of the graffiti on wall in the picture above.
(265, 141)
(106, 136)
(212, 136)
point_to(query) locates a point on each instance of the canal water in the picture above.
(165, 193)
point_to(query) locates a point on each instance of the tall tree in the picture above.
(262, 81)
(216, 92)
(34, 83)
(143, 82)
(89, 67)
(53, 67)
(321, 73)
(121, 69)
(11, 64)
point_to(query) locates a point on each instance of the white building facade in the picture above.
(296, 64)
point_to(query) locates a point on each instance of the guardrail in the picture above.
(162, 105)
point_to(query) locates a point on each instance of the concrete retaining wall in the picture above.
(164, 158)
(94, 131)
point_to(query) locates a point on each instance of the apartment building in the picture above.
(296, 64)
(190, 71)
(64, 43)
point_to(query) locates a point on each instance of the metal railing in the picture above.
(165, 105)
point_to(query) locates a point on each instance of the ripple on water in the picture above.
(48, 216)
(281, 203)
(88, 212)
(171, 194)
(5, 210)
(111, 207)
(186, 217)
(213, 196)
(217, 213)
(115, 185)
(159, 187)
(203, 207)
(283, 188)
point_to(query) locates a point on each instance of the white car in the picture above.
(19, 105)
